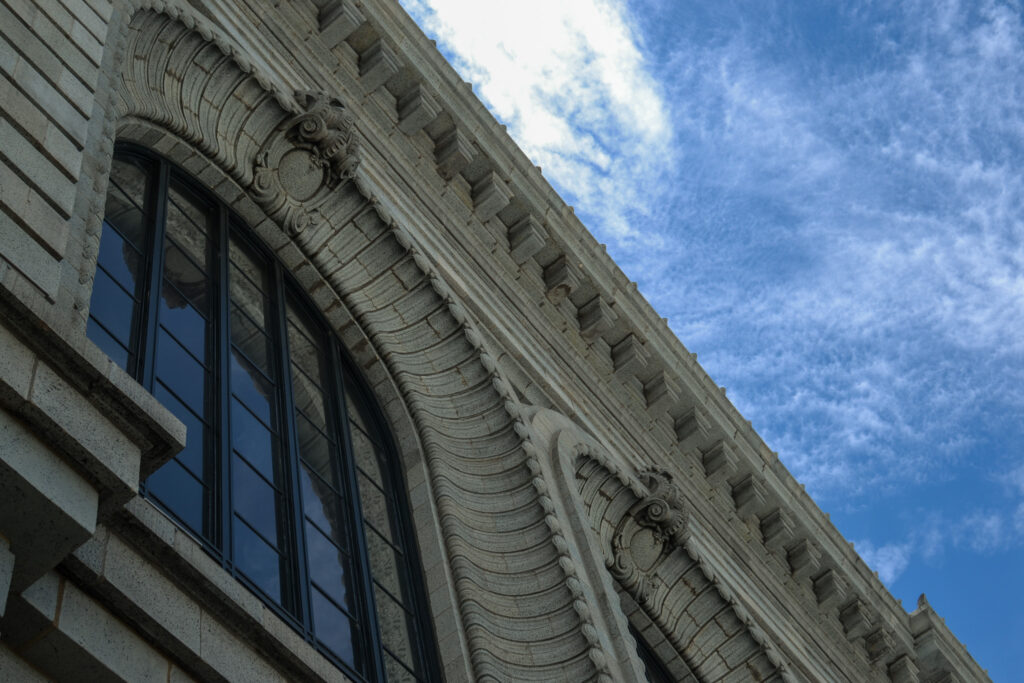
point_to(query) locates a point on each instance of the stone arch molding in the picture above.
(650, 550)
(295, 156)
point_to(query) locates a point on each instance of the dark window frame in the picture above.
(343, 392)
(654, 668)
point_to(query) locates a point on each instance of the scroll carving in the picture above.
(307, 156)
(655, 549)
(654, 526)
(664, 509)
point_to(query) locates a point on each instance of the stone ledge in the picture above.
(76, 435)
(158, 578)
(939, 652)
(46, 508)
(14, 668)
(82, 372)
(66, 634)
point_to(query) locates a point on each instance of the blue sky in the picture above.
(826, 200)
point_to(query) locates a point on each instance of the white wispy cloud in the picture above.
(888, 560)
(569, 80)
(1015, 479)
(982, 532)
(986, 531)
(994, 528)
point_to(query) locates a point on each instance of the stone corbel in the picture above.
(306, 157)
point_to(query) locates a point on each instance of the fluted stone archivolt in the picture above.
(634, 533)
(175, 75)
(650, 551)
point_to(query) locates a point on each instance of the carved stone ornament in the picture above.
(652, 528)
(664, 510)
(306, 157)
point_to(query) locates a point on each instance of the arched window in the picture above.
(288, 476)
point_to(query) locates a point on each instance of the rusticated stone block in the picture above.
(81, 640)
(34, 214)
(21, 249)
(17, 363)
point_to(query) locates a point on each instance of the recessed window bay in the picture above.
(288, 475)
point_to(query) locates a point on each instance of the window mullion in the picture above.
(147, 343)
(347, 463)
(297, 574)
(223, 505)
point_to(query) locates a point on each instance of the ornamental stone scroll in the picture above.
(652, 528)
(304, 160)
(655, 549)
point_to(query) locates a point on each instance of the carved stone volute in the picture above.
(306, 157)
(664, 509)
(327, 128)
(654, 526)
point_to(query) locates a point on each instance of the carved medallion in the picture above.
(653, 527)
(306, 157)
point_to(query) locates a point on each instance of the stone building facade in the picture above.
(567, 495)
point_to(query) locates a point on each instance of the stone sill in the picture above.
(82, 374)
(158, 578)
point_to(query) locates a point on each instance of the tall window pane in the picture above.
(329, 565)
(385, 544)
(259, 478)
(120, 267)
(184, 360)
